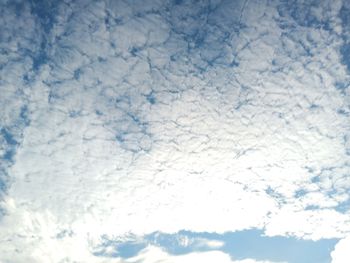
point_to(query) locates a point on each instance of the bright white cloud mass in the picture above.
(122, 119)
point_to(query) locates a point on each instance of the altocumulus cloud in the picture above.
(122, 117)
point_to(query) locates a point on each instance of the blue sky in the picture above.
(174, 131)
(239, 245)
(243, 244)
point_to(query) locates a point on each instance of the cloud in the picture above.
(340, 254)
(163, 116)
(206, 243)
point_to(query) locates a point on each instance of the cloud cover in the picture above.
(128, 117)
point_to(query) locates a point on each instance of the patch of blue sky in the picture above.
(9, 138)
(345, 52)
(3, 175)
(45, 11)
(300, 193)
(151, 98)
(342, 87)
(301, 13)
(343, 207)
(9, 154)
(345, 49)
(253, 244)
(24, 115)
(239, 245)
(115, 248)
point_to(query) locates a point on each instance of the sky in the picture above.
(174, 131)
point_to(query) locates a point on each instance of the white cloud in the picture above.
(239, 125)
(341, 253)
(316, 224)
(206, 243)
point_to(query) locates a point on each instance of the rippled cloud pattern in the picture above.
(174, 131)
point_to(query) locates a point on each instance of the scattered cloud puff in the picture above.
(212, 116)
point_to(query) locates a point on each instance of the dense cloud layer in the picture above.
(140, 116)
